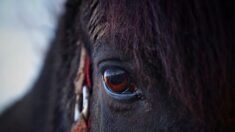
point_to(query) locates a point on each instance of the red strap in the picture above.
(82, 125)
(87, 72)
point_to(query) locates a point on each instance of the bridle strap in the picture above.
(82, 85)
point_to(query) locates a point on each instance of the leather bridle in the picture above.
(82, 84)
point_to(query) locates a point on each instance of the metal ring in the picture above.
(85, 104)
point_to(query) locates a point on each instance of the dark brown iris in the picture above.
(117, 80)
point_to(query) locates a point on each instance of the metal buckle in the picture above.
(84, 99)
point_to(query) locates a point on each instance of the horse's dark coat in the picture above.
(179, 53)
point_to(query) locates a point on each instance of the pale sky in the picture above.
(26, 28)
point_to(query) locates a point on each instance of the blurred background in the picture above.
(26, 29)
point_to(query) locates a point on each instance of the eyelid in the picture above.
(110, 64)
(117, 60)
(118, 72)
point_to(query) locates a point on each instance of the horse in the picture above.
(153, 65)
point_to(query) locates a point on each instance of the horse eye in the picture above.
(118, 81)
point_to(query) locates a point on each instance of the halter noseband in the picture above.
(82, 85)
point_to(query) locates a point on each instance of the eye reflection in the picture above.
(118, 81)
